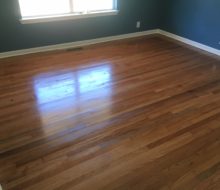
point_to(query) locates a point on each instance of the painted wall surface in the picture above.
(16, 36)
(198, 20)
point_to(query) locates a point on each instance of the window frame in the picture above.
(69, 16)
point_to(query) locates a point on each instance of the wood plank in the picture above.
(140, 113)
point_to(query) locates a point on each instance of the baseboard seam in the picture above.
(190, 42)
(76, 44)
(108, 39)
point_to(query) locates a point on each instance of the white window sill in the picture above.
(67, 17)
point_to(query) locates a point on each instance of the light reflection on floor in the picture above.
(54, 88)
(66, 94)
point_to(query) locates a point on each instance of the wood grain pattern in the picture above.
(142, 113)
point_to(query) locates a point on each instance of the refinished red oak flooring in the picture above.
(139, 114)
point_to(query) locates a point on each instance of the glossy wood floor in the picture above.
(138, 114)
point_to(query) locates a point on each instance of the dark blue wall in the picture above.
(14, 36)
(198, 20)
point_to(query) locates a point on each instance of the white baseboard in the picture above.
(75, 44)
(190, 42)
(108, 39)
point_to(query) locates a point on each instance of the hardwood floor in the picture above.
(140, 114)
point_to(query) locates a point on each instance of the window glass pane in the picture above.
(43, 7)
(79, 5)
(92, 5)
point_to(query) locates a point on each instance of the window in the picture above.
(42, 9)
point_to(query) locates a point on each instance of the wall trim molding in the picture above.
(190, 42)
(75, 44)
(67, 17)
(108, 39)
